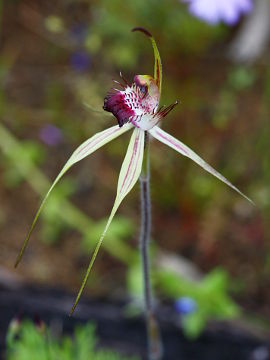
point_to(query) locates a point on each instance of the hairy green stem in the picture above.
(153, 337)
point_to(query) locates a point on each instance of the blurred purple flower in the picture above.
(216, 11)
(51, 135)
(80, 61)
(78, 32)
(185, 305)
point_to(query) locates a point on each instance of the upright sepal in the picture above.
(158, 65)
(180, 147)
(85, 149)
(129, 174)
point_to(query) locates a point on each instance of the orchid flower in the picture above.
(136, 108)
(216, 11)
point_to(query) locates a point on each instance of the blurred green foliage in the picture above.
(29, 152)
(26, 341)
(239, 79)
(121, 228)
(210, 295)
(52, 226)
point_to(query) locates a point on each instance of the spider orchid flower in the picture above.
(136, 108)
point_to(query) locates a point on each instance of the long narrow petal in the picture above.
(177, 145)
(129, 174)
(85, 149)
(158, 65)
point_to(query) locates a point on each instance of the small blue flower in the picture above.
(216, 11)
(51, 135)
(185, 305)
(80, 61)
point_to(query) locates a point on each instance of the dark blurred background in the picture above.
(209, 245)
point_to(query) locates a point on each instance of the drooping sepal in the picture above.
(85, 149)
(129, 174)
(183, 149)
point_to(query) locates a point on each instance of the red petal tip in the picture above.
(143, 30)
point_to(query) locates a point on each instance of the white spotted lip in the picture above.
(134, 105)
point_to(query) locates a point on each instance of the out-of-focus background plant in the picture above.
(57, 62)
(27, 341)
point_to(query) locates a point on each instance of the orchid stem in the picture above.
(153, 336)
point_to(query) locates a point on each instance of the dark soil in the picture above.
(127, 335)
